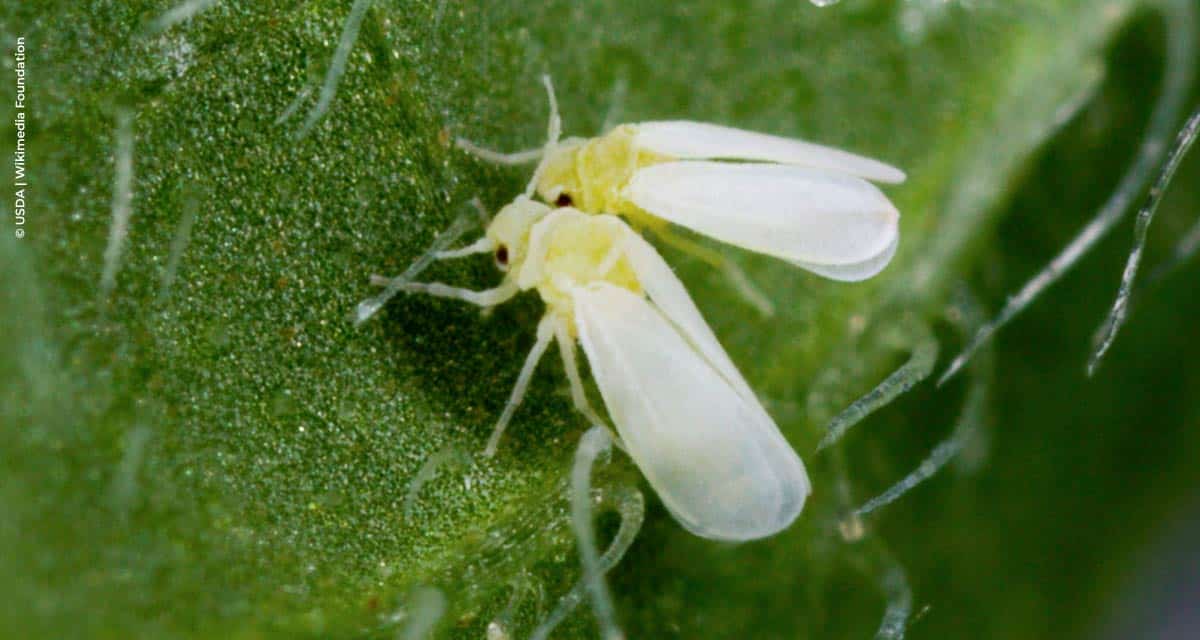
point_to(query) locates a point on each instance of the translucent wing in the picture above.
(715, 458)
(813, 218)
(700, 141)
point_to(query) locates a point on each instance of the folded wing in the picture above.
(688, 140)
(714, 456)
(671, 299)
(857, 271)
(833, 222)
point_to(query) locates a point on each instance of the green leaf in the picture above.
(213, 450)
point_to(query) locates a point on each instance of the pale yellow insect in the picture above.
(808, 204)
(681, 409)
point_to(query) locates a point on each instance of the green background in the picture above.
(225, 455)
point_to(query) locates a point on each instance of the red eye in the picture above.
(563, 200)
(502, 256)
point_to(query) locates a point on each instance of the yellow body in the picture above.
(592, 174)
(557, 250)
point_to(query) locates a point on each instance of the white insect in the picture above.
(681, 409)
(808, 204)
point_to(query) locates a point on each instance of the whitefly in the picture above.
(679, 406)
(809, 204)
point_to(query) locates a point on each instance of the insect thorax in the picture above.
(570, 249)
(593, 173)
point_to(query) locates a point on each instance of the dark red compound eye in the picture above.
(563, 200)
(502, 255)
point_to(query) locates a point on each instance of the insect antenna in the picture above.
(553, 133)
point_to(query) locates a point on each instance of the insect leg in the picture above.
(554, 126)
(923, 356)
(545, 333)
(738, 278)
(553, 133)
(566, 347)
(370, 306)
(482, 245)
(485, 298)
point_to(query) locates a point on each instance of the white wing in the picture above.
(857, 271)
(717, 461)
(669, 295)
(699, 141)
(805, 216)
